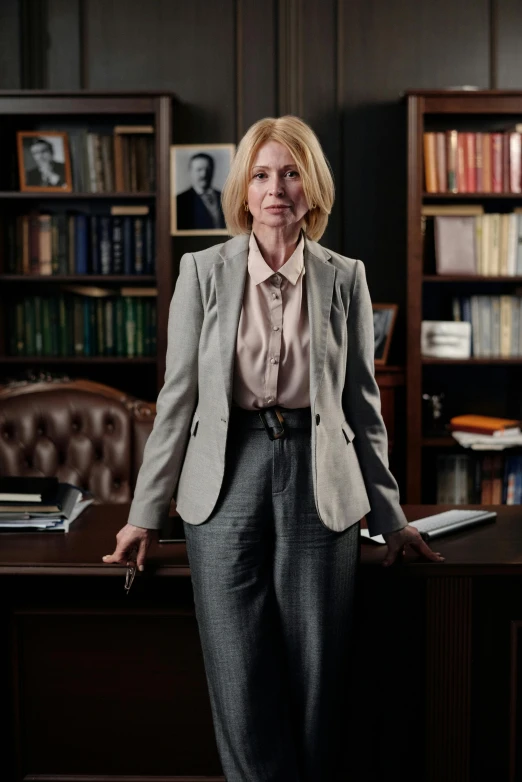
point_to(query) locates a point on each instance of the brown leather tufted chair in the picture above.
(85, 433)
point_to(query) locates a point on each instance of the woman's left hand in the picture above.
(408, 536)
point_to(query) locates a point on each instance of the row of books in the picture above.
(77, 243)
(496, 324)
(469, 162)
(485, 479)
(73, 325)
(120, 162)
(478, 244)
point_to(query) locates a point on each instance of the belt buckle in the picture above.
(275, 435)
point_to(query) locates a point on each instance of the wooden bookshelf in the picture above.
(98, 111)
(481, 385)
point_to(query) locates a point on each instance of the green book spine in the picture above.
(29, 325)
(109, 327)
(130, 326)
(53, 315)
(62, 326)
(79, 329)
(46, 326)
(100, 327)
(139, 327)
(119, 316)
(38, 326)
(153, 327)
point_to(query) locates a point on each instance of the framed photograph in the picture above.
(384, 316)
(44, 162)
(197, 175)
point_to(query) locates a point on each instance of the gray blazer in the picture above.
(184, 455)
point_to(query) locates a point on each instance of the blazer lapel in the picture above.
(319, 281)
(230, 277)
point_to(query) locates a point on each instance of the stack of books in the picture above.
(482, 432)
(40, 503)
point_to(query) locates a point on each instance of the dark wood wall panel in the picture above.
(387, 48)
(64, 45)
(320, 94)
(507, 21)
(10, 54)
(185, 47)
(257, 62)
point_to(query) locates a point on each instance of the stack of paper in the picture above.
(38, 521)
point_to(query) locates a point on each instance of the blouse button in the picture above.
(275, 328)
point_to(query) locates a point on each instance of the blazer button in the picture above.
(317, 419)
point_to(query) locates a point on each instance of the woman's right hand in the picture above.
(128, 538)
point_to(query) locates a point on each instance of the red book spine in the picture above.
(479, 160)
(496, 162)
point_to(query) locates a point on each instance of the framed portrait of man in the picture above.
(44, 163)
(198, 173)
(384, 316)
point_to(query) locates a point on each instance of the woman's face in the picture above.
(275, 191)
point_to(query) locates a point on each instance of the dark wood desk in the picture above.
(94, 682)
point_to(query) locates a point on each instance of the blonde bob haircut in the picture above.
(310, 161)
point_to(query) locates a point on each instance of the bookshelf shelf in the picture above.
(439, 442)
(22, 196)
(473, 361)
(469, 278)
(491, 388)
(86, 279)
(91, 117)
(471, 196)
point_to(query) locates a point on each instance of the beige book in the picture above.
(45, 244)
(494, 265)
(455, 244)
(503, 247)
(505, 326)
(88, 290)
(486, 245)
(478, 243)
(461, 210)
(119, 211)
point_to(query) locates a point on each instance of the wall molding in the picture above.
(34, 42)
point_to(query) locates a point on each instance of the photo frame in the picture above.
(44, 162)
(197, 175)
(384, 317)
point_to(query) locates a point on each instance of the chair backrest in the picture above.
(82, 432)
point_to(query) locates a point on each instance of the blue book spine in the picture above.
(95, 250)
(81, 244)
(149, 246)
(128, 246)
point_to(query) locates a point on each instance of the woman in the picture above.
(269, 431)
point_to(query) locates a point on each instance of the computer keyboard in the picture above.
(443, 523)
(451, 521)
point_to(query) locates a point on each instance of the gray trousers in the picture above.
(274, 601)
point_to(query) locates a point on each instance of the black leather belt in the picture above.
(275, 420)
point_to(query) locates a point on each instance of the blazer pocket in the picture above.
(348, 431)
(194, 424)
